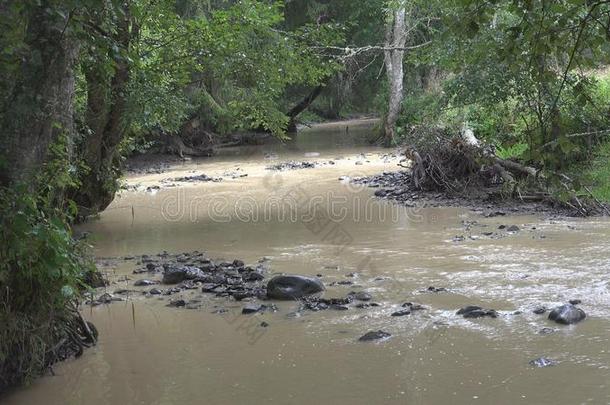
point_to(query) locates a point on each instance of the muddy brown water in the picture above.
(151, 354)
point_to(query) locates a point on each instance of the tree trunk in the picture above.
(395, 40)
(106, 106)
(39, 109)
(302, 106)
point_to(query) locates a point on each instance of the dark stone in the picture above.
(264, 324)
(413, 307)
(567, 314)
(542, 362)
(175, 275)
(575, 302)
(363, 296)
(240, 295)
(473, 311)
(513, 228)
(546, 331)
(238, 263)
(209, 287)
(293, 287)
(252, 276)
(253, 308)
(402, 312)
(436, 289)
(177, 303)
(144, 283)
(374, 335)
(155, 291)
(539, 310)
(339, 307)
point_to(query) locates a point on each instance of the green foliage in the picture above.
(597, 172)
(42, 268)
(230, 66)
(516, 151)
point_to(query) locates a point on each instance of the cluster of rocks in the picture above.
(567, 314)
(397, 186)
(292, 165)
(170, 274)
(198, 178)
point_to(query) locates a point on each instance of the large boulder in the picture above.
(567, 314)
(293, 287)
(178, 274)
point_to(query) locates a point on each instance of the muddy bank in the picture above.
(486, 201)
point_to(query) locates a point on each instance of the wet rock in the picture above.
(252, 276)
(546, 331)
(567, 314)
(363, 305)
(196, 178)
(513, 228)
(175, 275)
(292, 165)
(155, 291)
(292, 287)
(542, 362)
(253, 308)
(413, 306)
(436, 289)
(107, 298)
(264, 324)
(575, 302)
(402, 312)
(374, 335)
(539, 310)
(363, 296)
(473, 311)
(177, 303)
(145, 282)
(339, 307)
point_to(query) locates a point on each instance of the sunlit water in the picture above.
(151, 354)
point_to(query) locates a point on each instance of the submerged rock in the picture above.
(542, 362)
(145, 282)
(567, 314)
(539, 310)
(363, 296)
(402, 312)
(473, 311)
(177, 303)
(413, 306)
(436, 289)
(253, 308)
(374, 335)
(293, 287)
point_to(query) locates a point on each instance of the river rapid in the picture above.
(150, 353)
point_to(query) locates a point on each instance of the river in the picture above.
(149, 353)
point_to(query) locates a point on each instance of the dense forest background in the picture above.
(87, 83)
